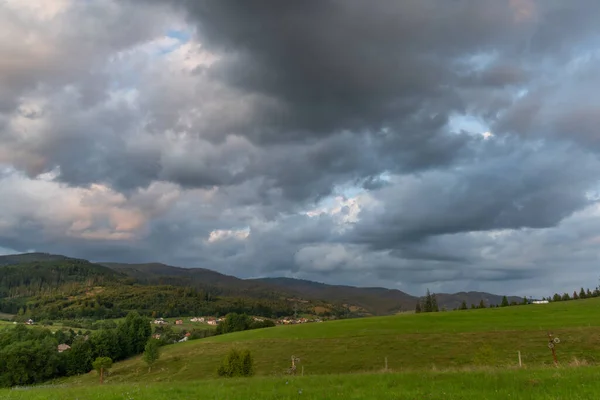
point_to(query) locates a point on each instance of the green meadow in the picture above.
(471, 354)
(501, 384)
(410, 342)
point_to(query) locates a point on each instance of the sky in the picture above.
(449, 145)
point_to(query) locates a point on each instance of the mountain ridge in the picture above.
(364, 300)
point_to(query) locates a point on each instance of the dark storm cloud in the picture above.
(514, 186)
(231, 163)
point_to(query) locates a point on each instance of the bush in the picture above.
(237, 363)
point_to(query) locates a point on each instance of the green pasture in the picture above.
(411, 342)
(490, 384)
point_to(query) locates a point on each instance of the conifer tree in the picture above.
(463, 305)
(582, 294)
(481, 304)
(504, 301)
(428, 306)
(418, 307)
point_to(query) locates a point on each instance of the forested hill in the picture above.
(51, 277)
(40, 284)
(30, 257)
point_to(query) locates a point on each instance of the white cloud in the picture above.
(224, 234)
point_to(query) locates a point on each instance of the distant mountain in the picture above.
(375, 300)
(357, 300)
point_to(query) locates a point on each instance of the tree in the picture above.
(234, 322)
(556, 297)
(430, 303)
(79, 357)
(133, 334)
(582, 294)
(575, 295)
(504, 301)
(566, 297)
(102, 364)
(525, 302)
(151, 353)
(106, 344)
(237, 363)
(481, 304)
(418, 307)
(463, 305)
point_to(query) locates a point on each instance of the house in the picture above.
(258, 319)
(179, 322)
(29, 322)
(197, 319)
(539, 302)
(213, 322)
(63, 347)
(160, 321)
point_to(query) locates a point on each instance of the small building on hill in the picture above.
(63, 347)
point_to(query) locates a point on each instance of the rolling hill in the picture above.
(308, 295)
(411, 342)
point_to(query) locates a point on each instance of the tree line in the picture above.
(30, 355)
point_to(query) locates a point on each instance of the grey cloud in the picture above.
(522, 185)
(302, 100)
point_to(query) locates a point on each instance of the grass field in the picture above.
(6, 317)
(535, 384)
(479, 338)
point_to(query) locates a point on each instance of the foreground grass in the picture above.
(546, 384)
(460, 339)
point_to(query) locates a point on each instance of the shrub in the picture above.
(237, 363)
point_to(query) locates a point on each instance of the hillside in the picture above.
(380, 301)
(30, 257)
(267, 296)
(470, 338)
(362, 300)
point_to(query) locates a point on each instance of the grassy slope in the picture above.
(536, 384)
(488, 337)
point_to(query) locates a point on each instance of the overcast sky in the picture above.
(447, 144)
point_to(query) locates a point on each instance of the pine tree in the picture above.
(589, 294)
(481, 304)
(463, 305)
(566, 297)
(428, 306)
(582, 294)
(434, 304)
(525, 302)
(504, 301)
(418, 307)
(575, 295)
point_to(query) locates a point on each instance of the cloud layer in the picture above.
(449, 145)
